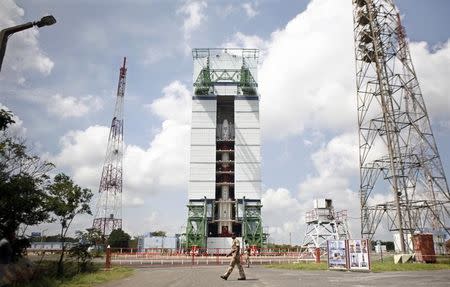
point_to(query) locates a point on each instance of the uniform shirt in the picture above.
(235, 247)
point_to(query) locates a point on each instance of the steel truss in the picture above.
(396, 142)
(108, 215)
(252, 223)
(318, 231)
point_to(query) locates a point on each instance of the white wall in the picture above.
(203, 149)
(248, 150)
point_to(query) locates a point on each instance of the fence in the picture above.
(154, 257)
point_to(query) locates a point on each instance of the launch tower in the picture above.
(225, 177)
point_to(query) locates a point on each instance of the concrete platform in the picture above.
(259, 276)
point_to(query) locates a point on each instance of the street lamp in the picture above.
(5, 33)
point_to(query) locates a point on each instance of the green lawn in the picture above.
(300, 266)
(377, 266)
(48, 278)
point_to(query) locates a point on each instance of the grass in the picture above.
(300, 266)
(96, 275)
(376, 266)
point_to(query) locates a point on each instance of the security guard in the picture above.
(235, 259)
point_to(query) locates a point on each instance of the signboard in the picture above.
(358, 254)
(35, 234)
(337, 255)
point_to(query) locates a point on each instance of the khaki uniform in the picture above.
(235, 259)
(247, 256)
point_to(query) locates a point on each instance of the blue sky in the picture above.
(60, 82)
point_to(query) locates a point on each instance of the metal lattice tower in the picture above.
(396, 142)
(324, 223)
(108, 216)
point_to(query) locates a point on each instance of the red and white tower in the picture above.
(108, 215)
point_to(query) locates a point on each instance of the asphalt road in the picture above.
(208, 276)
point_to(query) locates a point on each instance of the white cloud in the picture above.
(339, 156)
(279, 200)
(83, 152)
(194, 15)
(433, 72)
(147, 170)
(282, 214)
(23, 53)
(250, 9)
(334, 164)
(306, 79)
(174, 105)
(240, 40)
(67, 106)
(307, 76)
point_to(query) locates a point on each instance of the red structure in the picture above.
(424, 248)
(108, 215)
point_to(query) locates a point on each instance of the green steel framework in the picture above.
(252, 230)
(196, 229)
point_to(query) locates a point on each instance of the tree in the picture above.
(158, 233)
(66, 200)
(5, 119)
(118, 239)
(81, 250)
(23, 180)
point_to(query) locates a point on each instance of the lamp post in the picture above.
(5, 33)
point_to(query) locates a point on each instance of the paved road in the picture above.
(208, 276)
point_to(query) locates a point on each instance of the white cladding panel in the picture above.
(204, 119)
(204, 105)
(160, 242)
(203, 154)
(246, 119)
(248, 171)
(203, 171)
(200, 189)
(243, 105)
(203, 137)
(249, 189)
(247, 136)
(245, 153)
(225, 90)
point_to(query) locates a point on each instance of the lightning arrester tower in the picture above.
(399, 159)
(108, 216)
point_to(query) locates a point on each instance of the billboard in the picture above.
(337, 255)
(350, 254)
(358, 254)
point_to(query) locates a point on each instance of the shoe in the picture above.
(243, 278)
(223, 277)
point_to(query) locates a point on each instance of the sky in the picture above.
(60, 82)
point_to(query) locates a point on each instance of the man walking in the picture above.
(235, 259)
(247, 254)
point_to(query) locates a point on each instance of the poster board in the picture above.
(337, 254)
(358, 254)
